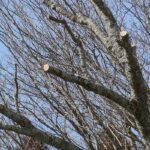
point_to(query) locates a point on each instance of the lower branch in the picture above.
(30, 130)
(41, 136)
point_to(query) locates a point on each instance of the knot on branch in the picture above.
(49, 4)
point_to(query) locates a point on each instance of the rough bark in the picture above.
(30, 130)
(132, 68)
(90, 86)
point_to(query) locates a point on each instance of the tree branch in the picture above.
(125, 50)
(107, 41)
(41, 136)
(89, 85)
(16, 117)
(81, 50)
(16, 95)
(28, 129)
(77, 18)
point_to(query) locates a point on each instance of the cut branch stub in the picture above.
(46, 67)
(123, 34)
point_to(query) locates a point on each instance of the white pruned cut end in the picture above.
(46, 67)
(123, 33)
(133, 45)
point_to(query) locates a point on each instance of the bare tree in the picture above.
(13, 141)
(81, 74)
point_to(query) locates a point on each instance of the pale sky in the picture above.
(3, 53)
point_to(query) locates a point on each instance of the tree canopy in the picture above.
(77, 74)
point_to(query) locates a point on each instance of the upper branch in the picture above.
(77, 18)
(123, 49)
(79, 43)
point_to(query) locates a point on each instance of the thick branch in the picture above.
(16, 95)
(107, 41)
(77, 18)
(102, 9)
(16, 117)
(89, 85)
(41, 136)
(121, 50)
(124, 49)
(28, 129)
(133, 69)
